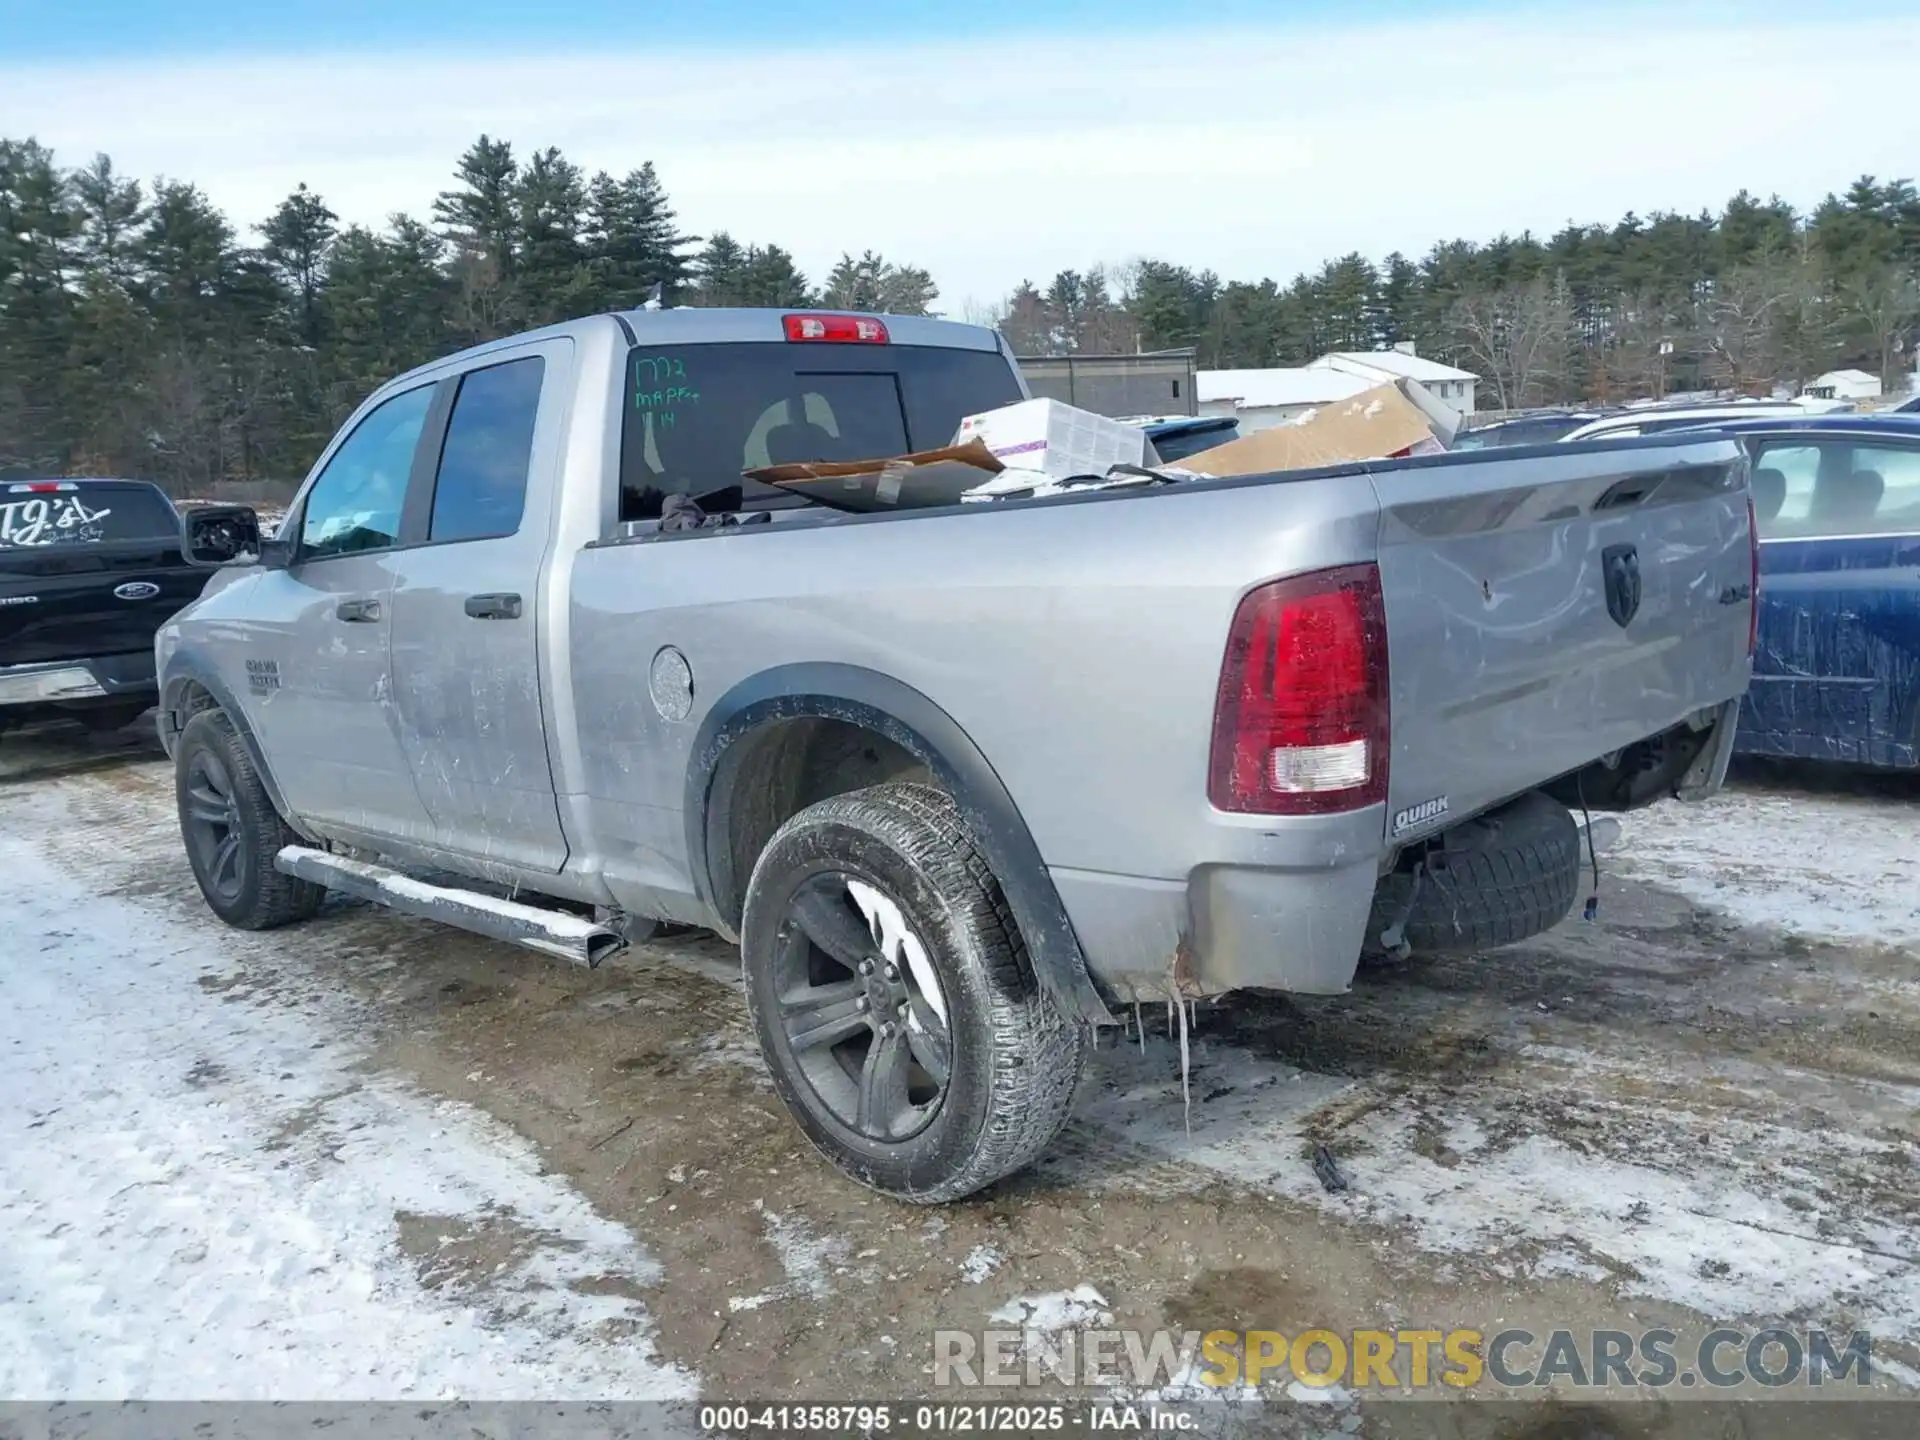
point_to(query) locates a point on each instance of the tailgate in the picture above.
(1508, 664)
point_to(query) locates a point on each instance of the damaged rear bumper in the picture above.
(1267, 909)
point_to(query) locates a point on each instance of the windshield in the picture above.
(698, 415)
(33, 517)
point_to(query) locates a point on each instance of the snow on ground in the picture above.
(808, 1257)
(205, 1194)
(1687, 1203)
(1056, 1310)
(980, 1264)
(1845, 866)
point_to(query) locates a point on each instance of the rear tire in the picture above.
(232, 832)
(922, 970)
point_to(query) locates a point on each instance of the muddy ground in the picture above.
(1667, 1116)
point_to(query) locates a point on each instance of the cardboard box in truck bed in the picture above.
(1055, 439)
(1388, 421)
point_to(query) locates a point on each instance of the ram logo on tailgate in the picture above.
(1620, 564)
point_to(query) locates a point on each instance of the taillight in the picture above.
(41, 487)
(1300, 725)
(836, 329)
(1753, 594)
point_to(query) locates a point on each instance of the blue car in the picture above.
(1837, 673)
(1175, 437)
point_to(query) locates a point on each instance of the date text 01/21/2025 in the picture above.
(962, 1419)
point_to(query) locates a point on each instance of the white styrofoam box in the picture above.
(1057, 439)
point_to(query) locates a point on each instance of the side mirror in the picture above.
(215, 535)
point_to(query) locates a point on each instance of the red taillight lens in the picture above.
(836, 329)
(1300, 726)
(1753, 596)
(41, 487)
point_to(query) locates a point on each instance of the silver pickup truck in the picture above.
(962, 781)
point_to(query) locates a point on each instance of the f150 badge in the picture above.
(1419, 814)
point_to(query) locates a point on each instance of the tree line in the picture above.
(142, 333)
(1754, 296)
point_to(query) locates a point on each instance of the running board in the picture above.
(551, 932)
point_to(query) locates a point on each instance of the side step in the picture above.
(551, 932)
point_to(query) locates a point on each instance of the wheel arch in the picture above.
(191, 684)
(747, 719)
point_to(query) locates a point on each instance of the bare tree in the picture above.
(1519, 338)
(1766, 322)
(1644, 334)
(1884, 303)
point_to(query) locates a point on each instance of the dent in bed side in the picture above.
(910, 720)
(185, 669)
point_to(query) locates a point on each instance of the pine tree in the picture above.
(297, 237)
(632, 241)
(551, 265)
(769, 277)
(37, 227)
(482, 214)
(186, 256)
(110, 210)
(389, 304)
(721, 270)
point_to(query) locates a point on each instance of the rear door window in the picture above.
(698, 415)
(1836, 487)
(480, 490)
(41, 515)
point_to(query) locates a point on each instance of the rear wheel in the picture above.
(894, 1000)
(232, 832)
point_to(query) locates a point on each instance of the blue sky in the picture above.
(1048, 134)
(82, 28)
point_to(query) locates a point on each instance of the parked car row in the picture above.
(1837, 670)
(1837, 504)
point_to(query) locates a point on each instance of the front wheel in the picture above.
(894, 999)
(232, 832)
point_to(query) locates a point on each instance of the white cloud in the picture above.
(1255, 153)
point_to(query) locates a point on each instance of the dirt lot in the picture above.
(1698, 1108)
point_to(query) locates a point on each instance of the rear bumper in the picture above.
(1279, 903)
(78, 682)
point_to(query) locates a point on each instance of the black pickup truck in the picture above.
(89, 569)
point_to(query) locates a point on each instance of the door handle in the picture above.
(494, 607)
(360, 612)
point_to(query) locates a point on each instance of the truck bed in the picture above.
(1077, 642)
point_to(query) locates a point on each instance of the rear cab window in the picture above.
(1835, 487)
(39, 517)
(698, 415)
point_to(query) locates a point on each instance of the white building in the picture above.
(1378, 367)
(1843, 385)
(1262, 398)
